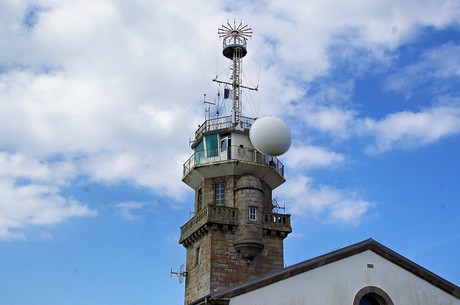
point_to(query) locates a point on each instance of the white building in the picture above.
(366, 273)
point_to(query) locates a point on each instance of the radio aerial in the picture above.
(180, 274)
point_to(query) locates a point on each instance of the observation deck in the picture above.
(238, 159)
(221, 124)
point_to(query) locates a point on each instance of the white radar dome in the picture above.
(270, 135)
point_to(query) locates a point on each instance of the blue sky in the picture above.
(98, 101)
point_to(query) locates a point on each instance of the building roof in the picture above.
(328, 258)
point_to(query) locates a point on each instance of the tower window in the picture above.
(199, 201)
(199, 153)
(219, 193)
(224, 144)
(197, 256)
(252, 214)
(211, 145)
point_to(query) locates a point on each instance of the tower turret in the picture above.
(234, 234)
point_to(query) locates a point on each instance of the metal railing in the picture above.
(222, 123)
(233, 153)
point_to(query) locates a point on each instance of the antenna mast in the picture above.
(234, 47)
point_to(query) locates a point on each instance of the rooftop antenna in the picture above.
(234, 47)
(180, 274)
(276, 206)
(207, 110)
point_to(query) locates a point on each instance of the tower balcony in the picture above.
(211, 215)
(223, 149)
(226, 218)
(277, 224)
(236, 160)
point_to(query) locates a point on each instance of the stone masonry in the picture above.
(224, 247)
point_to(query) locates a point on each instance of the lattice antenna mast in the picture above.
(234, 47)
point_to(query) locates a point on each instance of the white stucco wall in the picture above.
(337, 284)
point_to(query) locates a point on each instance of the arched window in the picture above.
(372, 295)
(369, 299)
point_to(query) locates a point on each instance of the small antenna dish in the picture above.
(276, 207)
(180, 274)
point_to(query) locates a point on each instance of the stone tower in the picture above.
(234, 235)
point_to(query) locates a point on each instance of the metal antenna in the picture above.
(234, 47)
(207, 110)
(180, 274)
(276, 206)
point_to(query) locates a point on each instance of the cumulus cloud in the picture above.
(133, 210)
(435, 65)
(112, 90)
(308, 156)
(327, 203)
(30, 195)
(409, 130)
(330, 120)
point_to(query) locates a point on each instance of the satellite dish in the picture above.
(270, 135)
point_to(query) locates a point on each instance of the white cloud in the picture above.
(131, 210)
(331, 120)
(325, 202)
(156, 171)
(437, 64)
(350, 210)
(302, 157)
(112, 90)
(409, 130)
(30, 196)
(20, 166)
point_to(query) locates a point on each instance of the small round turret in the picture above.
(249, 200)
(232, 43)
(234, 39)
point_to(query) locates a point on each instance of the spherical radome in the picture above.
(270, 135)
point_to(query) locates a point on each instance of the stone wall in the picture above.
(219, 248)
(197, 283)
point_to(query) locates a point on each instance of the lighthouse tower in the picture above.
(235, 233)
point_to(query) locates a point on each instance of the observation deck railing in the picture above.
(224, 122)
(233, 153)
(234, 40)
